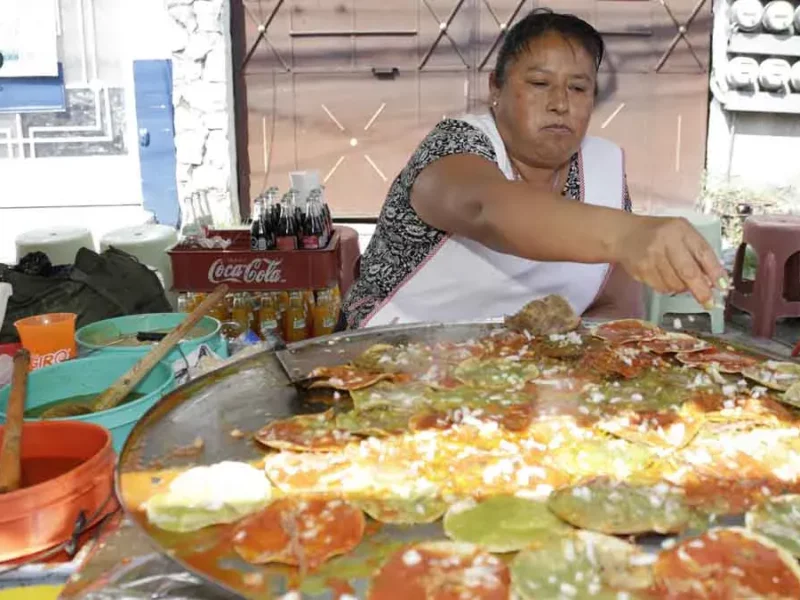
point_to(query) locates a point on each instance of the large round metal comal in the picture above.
(778, 16)
(194, 425)
(747, 14)
(741, 72)
(773, 74)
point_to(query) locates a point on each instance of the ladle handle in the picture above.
(117, 392)
(11, 450)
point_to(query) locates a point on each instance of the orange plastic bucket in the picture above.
(67, 468)
(49, 338)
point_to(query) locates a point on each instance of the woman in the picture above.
(495, 210)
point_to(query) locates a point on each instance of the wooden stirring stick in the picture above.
(123, 386)
(11, 452)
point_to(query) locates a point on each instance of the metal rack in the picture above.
(761, 45)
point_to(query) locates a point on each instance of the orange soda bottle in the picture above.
(241, 313)
(324, 321)
(295, 322)
(268, 317)
(308, 299)
(220, 312)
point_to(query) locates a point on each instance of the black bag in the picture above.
(96, 287)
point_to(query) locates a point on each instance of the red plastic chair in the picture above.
(775, 293)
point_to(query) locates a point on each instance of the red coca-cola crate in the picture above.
(246, 270)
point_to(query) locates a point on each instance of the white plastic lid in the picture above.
(794, 76)
(774, 74)
(54, 235)
(741, 71)
(747, 14)
(778, 16)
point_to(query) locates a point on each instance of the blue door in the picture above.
(155, 121)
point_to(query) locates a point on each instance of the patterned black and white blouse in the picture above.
(402, 240)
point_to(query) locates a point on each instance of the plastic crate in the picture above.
(243, 269)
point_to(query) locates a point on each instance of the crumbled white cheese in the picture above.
(568, 590)
(411, 558)
(642, 560)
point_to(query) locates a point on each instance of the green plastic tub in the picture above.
(112, 335)
(90, 376)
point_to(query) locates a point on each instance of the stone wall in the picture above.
(202, 95)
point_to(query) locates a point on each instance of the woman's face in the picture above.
(546, 101)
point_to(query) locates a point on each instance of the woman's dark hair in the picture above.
(539, 22)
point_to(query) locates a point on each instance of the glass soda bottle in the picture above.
(254, 301)
(336, 295)
(323, 314)
(220, 312)
(299, 206)
(183, 303)
(313, 230)
(269, 317)
(258, 238)
(275, 215)
(326, 214)
(295, 320)
(241, 312)
(286, 233)
(308, 299)
(269, 216)
(197, 299)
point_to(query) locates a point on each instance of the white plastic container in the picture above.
(794, 76)
(778, 16)
(747, 14)
(741, 72)
(774, 74)
(304, 182)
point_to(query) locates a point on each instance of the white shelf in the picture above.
(763, 102)
(764, 44)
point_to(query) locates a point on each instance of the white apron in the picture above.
(464, 280)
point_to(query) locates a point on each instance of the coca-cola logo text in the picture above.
(258, 270)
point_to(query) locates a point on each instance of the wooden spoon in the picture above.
(11, 452)
(117, 392)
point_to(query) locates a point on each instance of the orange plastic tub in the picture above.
(67, 467)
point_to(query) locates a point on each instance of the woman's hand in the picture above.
(670, 256)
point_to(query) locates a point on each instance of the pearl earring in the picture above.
(494, 103)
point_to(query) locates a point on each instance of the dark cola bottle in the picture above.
(326, 214)
(275, 211)
(299, 206)
(320, 209)
(313, 228)
(258, 239)
(286, 231)
(269, 213)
